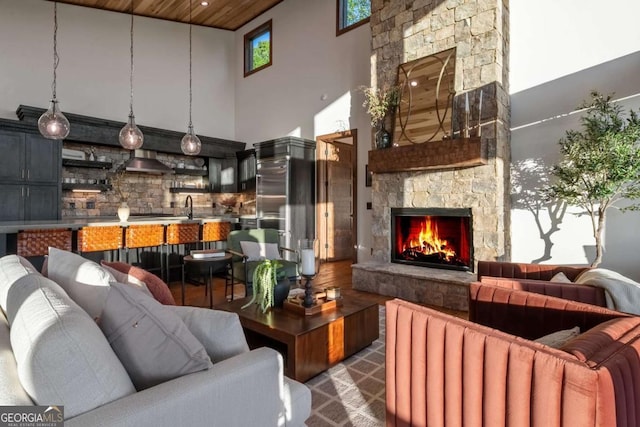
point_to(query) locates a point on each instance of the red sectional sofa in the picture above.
(537, 278)
(445, 371)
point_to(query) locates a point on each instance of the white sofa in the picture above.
(53, 353)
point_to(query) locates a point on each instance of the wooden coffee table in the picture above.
(309, 344)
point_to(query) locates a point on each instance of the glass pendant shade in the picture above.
(190, 143)
(52, 123)
(131, 136)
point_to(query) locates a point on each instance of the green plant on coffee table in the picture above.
(264, 281)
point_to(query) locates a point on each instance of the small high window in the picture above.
(352, 14)
(257, 49)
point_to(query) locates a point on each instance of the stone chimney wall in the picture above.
(404, 30)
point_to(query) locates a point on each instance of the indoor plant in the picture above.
(268, 289)
(600, 165)
(379, 102)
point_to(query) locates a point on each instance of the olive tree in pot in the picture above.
(600, 164)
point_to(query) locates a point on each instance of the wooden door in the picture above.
(336, 197)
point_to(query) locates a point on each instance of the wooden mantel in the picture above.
(445, 154)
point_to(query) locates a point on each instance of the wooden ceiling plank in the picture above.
(223, 14)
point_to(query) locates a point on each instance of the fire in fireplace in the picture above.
(432, 237)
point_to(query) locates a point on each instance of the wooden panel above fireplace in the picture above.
(433, 155)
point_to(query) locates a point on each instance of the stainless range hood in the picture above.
(145, 161)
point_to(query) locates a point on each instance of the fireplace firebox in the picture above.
(432, 237)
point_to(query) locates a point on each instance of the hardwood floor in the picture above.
(331, 274)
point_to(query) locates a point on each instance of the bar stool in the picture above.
(145, 236)
(180, 234)
(33, 243)
(100, 239)
(36, 243)
(215, 231)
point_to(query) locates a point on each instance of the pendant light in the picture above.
(131, 136)
(53, 124)
(190, 143)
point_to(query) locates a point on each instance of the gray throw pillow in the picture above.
(559, 338)
(152, 342)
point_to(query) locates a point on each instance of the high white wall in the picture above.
(312, 87)
(93, 75)
(582, 45)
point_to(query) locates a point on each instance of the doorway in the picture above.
(336, 162)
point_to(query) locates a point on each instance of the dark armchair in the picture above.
(244, 265)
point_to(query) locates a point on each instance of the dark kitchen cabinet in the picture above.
(43, 159)
(29, 158)
(29, 202)
(11, 202)
(13, 156)
(246, 170)
(223, 175)
(30, 174)
(42, 202)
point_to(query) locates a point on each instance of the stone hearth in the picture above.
(443, 288)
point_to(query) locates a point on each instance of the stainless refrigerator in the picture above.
(285, 188)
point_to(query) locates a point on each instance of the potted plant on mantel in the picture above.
(268, 290)
(379, 102)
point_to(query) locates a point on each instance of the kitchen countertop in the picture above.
(8, 227)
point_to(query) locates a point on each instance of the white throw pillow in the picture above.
(271, 250)
(220, 332)
(127, 279)
(251, 250)
(561, 278)
(259, 251)
(86, 282)
(558, 339)
(151, 341)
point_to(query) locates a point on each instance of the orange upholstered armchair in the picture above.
(538, 278)
(445, 371)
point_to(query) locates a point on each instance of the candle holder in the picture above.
(309, 261)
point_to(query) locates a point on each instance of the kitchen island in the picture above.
(10, 229)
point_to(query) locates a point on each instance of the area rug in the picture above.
(352, 392)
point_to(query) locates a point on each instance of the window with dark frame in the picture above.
(258, 48)
(351, 14)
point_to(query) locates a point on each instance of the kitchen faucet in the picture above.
(189, 204)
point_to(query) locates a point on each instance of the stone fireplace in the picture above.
(432, 237)
(432, 174)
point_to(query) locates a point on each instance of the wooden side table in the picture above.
(209, 267)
